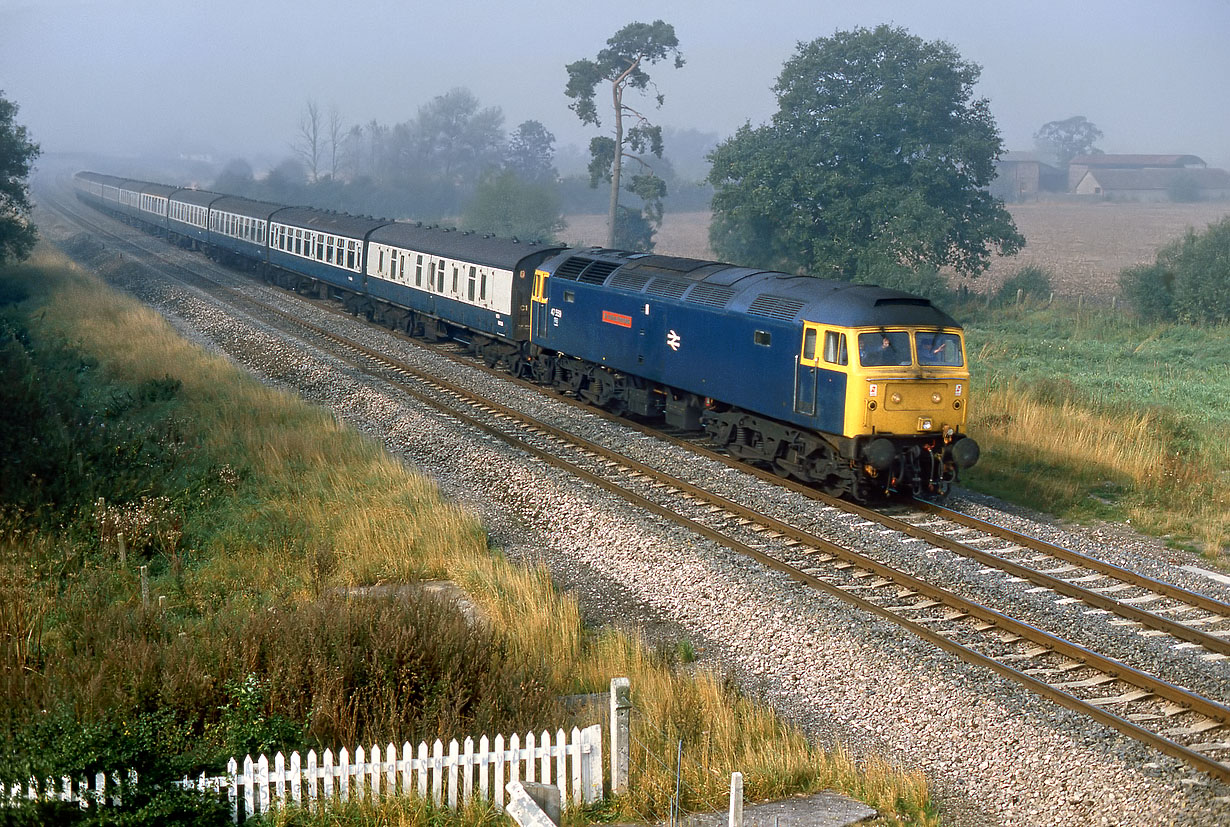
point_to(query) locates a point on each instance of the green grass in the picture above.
(256, 514)
(1090, 414)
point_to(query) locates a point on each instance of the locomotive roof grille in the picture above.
(713, 295)
(572, 268)
(597, 272)
(775, 307)
(668, 288)
(629, 281)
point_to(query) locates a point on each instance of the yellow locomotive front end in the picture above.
(906, 404)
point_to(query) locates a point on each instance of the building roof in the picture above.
(1014, 157)
(1102, 159)
(1158, 179)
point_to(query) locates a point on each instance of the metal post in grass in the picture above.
(119, 538)
(736, 799)
(621, 713)
(145, 587)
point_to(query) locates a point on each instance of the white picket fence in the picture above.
(456, 777)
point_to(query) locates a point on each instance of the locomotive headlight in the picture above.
(935, 397)
(895, 399)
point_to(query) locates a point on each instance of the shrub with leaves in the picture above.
(1031, 282)
(1189, 281)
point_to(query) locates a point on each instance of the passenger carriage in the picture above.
(188, 216)
(238, 228)
(319, 245)
(456, 281)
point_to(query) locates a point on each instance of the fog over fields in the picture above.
(230, 78)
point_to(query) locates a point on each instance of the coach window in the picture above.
(418, 272)
(329, 251)
(473, 283)
(298, 242)
(456, 289)
(380, 262)
(350, 251)
(431, 275)
(320, 247)
(401, 273)
(482, 287)
(440, 274)
(835, 348)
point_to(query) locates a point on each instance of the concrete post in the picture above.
(547, 797)
(736, 799)
(523, 809)
(621, 713)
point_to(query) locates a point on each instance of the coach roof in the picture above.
(323, 221)
(198, 198)
(245, 206)
(485, 250)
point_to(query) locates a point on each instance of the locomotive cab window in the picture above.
(570, 296)
(884, 348)
(762, 337)
(938, 349)
(835, 348)
(810, 335)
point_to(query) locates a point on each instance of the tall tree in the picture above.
(531, 153)
(1068, 138)
(337, 138)
(622, 65)
(17, 154)
(309, 143)
(456, 139)
(877, 156)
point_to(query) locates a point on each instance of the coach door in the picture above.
(538, 306)
(805, 371)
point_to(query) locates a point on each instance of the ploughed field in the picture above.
(1083, 245)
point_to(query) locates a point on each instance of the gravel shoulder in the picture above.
(994, 754)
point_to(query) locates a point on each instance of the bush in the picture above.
(1032, 282)
(1189, 282)
(1150, 289)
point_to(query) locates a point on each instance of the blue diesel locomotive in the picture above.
(856, 389)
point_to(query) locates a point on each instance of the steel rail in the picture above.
(1179, 593)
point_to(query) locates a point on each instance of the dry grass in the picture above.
(1061, 451)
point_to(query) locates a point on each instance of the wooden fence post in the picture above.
(621, 709)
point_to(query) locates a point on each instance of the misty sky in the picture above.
(231, 77)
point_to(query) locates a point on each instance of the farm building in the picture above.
(1082, 164)
(1022, 175)
(1156, 184)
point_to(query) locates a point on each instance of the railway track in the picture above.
(1145, 706)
